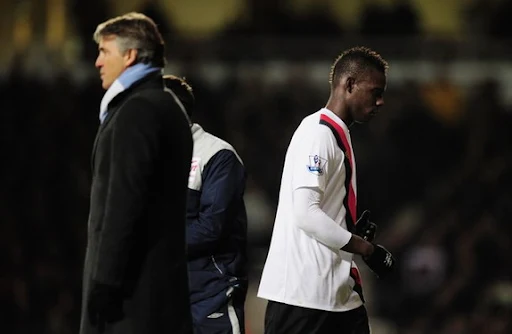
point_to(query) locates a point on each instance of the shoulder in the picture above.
(207, 146)
(155, 102)
(225, 157)
(311, 130)
(154, 97)
(313, 125)
(217, 143)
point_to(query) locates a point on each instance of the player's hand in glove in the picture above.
(104, 305)
(381, 261)
(365, 228)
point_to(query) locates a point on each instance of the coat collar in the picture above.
(153, 80)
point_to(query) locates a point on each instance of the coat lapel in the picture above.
(110, 114)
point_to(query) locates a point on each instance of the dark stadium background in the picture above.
(434, 167)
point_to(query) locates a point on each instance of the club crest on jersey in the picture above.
(194, 170)
(316, 164)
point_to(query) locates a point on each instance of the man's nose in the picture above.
(98, 63)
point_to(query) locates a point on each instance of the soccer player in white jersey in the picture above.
(310, 279)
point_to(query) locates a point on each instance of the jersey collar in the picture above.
(196, 130)
(335, 118)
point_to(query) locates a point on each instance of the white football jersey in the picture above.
(301, 270)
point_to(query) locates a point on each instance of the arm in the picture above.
(308, 186)
(134, 147)
(223, 184)
(317, 224)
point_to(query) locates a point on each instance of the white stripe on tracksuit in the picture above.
(233, 318)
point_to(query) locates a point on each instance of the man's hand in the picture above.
(104, 305)
(381, 261)
(365, 228)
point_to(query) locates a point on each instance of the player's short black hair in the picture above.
(183, 91)
(355, 61)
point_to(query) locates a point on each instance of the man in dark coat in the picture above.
(135, 275)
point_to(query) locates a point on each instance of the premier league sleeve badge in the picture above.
(316, 164)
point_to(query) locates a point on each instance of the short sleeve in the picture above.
(312, 158)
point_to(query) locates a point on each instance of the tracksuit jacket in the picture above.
(216, 220)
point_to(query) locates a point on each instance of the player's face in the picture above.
(368, 96)
(110, 62)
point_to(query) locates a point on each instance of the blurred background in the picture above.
(435, 167)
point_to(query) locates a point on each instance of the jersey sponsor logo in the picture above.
(316, 164)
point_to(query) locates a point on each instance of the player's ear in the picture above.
(349, 84)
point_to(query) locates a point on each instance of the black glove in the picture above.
(365, 228)
(381, 262)
(104, 305)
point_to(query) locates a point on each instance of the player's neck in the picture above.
(338, 108)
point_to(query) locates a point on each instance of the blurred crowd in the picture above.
(434, 167)
(487, 18)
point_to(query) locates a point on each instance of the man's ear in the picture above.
(130, 56)
(349, 84)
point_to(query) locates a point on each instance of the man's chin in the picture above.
(366, 119)
(369, 116)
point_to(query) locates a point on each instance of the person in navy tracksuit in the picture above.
(216, 228)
